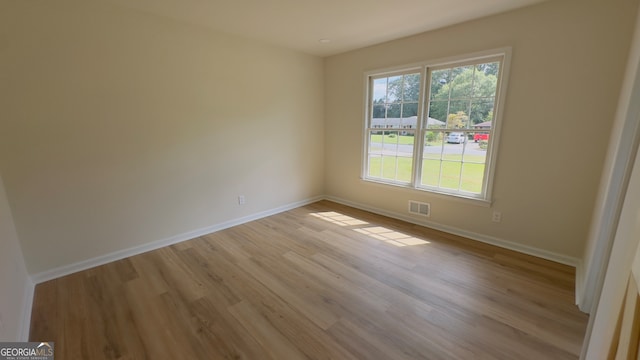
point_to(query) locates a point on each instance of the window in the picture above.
(433, 127)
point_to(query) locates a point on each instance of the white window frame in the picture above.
(485, 197)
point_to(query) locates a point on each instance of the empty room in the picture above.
(320, 179)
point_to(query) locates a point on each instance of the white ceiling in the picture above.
(348, 24)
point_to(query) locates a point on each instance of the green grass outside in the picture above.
(393, 139)
(443, 174)
(456, 157)
(388, 166)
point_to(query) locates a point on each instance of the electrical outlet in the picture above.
(497, 216)
(241, 200)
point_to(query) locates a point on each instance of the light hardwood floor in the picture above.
(321, 281)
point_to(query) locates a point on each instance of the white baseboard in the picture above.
(529, 250)
(121, 254)
(580, 301)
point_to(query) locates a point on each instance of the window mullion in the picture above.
(418, 143)
(464, 149)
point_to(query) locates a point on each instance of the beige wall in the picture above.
(566, 71)
(120, 128)
(15, 284)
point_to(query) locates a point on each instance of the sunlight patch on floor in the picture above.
(391, 236)
(338, 219)
(376, 232)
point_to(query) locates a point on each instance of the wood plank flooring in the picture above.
(323, 281)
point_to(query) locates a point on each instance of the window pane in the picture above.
(476, 150)
(394, 110)
(454, 145)
(411, 91)
(395, 101)
(409, 115)
(393, 114)
(406, 140)
(389, 167)
(394, 89)
(404, 168)
(391, 155)
(375, 141)
(390, 141)
(430, 173)
(485, 80)
(450, 177)
(409, 110)
(378, 115)
(395, 169)
(472, 175)
(438, 111)
(375, 162)
(439, 78)
(481, 111)
(489, 68)
(458, 117)
(432, 145)
(461, 83)
(379, 90)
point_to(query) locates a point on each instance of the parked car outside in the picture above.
(480, 136)
(456, 138)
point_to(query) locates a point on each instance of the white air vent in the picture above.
(419, 208)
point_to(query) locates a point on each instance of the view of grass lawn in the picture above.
(388, 167)
(435, 172)
(449, 178)
(392, 139)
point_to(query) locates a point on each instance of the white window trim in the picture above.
(492, 156)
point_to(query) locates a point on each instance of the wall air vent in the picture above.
(419, 208)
